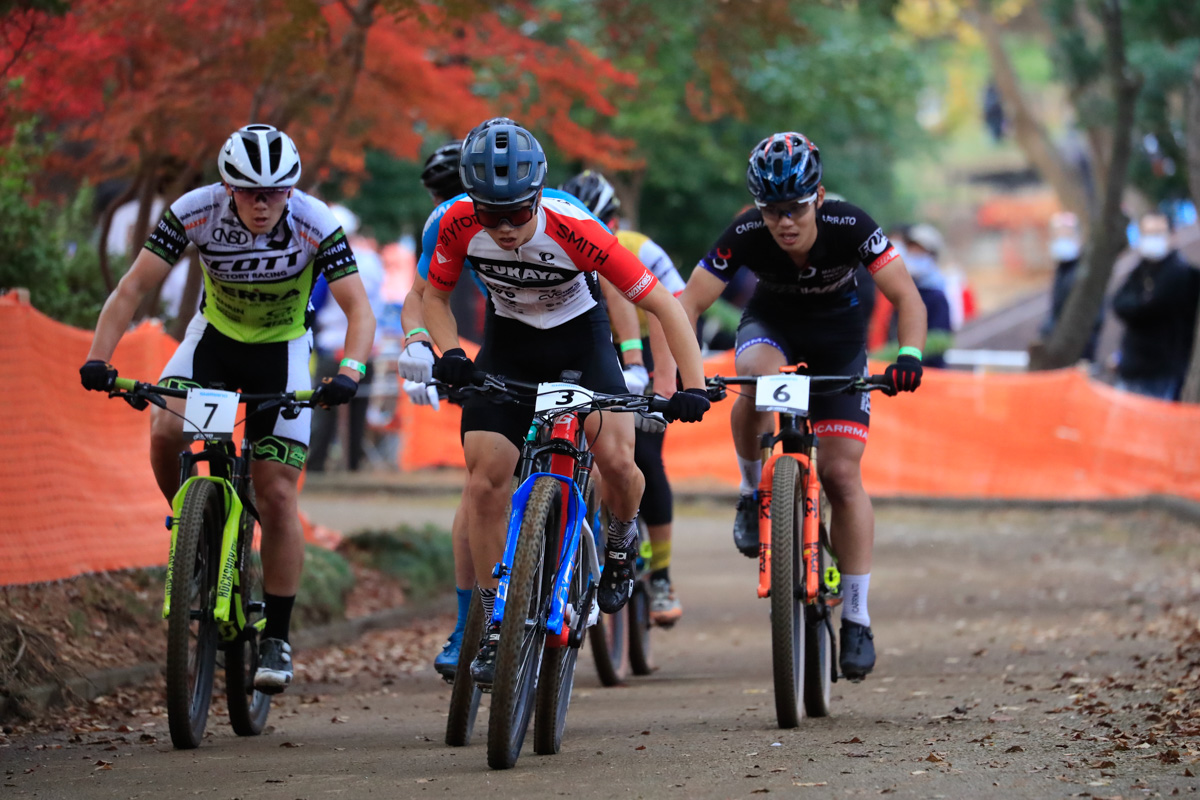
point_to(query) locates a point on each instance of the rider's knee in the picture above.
(487, 488)
(841, 477)
(275, 496)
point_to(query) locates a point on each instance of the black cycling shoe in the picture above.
(857, 656)
(745, 525)
(483, 668)
(616, 580)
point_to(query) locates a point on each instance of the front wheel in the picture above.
(640, 658)
(248, 707)
(522, 631)
(787, 626)
(191, 629)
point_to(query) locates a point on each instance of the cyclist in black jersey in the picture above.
(805, 250)
(262, 243)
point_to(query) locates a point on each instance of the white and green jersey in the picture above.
(256, 288)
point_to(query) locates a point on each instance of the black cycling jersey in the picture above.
(846, 237)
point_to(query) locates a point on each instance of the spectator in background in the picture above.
(923, 244)
(1158, 304)
(330, 334)
(1065, 247)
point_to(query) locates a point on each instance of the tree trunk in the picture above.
(1107, 238)
(1191, 385)
(141, 228)
(1032, 137)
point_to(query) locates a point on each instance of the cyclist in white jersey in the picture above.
(262, 243)
(538, 257)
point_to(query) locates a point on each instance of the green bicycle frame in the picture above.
(227, 582)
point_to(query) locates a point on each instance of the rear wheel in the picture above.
(191, 629)
(787, 627)
(818, 624)
(640, 622)
(607, 636)
(464, 697)
(248, 708)
(522, 631)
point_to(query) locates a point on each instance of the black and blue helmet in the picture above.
(784, 166)
(440, 174)
(502, 164)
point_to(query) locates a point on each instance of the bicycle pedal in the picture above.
(256, 607)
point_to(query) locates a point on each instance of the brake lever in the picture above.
(139, 402)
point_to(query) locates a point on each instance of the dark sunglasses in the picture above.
(495, 217)
(793, 210)
(270, 194)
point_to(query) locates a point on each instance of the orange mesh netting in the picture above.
(1054, 435)
(75, 482)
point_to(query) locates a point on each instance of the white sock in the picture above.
(854, 598)
(751, 474)
(487, 599)
(621, 533)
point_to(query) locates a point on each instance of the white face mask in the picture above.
(1064, 248)
(1154, 247)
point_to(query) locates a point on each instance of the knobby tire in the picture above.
(787, 628)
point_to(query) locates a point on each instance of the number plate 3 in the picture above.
(561, 396)
(784, 393)
(210, 413)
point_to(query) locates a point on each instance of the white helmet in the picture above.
(259, 157)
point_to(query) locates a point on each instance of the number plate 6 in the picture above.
(210, 413)
(559, 396)
(784, 393)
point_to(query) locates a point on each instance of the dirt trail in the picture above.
(1022, 655)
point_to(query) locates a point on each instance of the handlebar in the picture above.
(139, 395)
(843, 384)
(524, 392)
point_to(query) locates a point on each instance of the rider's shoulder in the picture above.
(200, 200)
(843, 213)
(311, 216)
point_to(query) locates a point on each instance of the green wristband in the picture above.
(915, 352)
(352, 364)
(631, 344)
(415, 331)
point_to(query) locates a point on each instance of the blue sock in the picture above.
(464, 603)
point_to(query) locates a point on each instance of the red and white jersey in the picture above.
(544, 282)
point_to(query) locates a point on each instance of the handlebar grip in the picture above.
(659, 404)
(125, 384)
(304, 395)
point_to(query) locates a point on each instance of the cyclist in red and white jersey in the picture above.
(539, 258)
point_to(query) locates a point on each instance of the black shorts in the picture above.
(830, 345)
(209, 359)
(518, 351)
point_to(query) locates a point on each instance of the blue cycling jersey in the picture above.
(430, 233)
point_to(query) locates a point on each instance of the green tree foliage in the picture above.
(46, 249)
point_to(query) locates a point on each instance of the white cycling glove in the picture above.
(422, 395)
(416, 362)
(636, 379)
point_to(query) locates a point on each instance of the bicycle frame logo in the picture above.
(227, 574)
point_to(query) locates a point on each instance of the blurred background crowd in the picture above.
(1036, 160)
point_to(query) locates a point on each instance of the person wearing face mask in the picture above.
(1158, 304)
(1065, 247)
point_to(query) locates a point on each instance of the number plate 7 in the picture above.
(210, 413)
(784, 393)
(558, 396)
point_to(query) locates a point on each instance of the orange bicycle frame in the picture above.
(810, 527)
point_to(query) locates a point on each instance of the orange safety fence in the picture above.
(1045, 435)
(76, 491)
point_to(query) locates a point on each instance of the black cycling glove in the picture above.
(454, 368)
(904, 375)
(97, 376)
(335, 391)
(687, 406)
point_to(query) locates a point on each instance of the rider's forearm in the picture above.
(680, 340)
(911, 323)
(115, 318)
(622, 314)
(412, 313)
(443, 328)
(360, 338)
(664, 362)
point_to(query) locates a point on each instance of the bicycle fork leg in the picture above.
(812, 522)
(765, 484)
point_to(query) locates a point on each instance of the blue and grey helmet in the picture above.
(502, 164)
(259, 157)
(784, 166)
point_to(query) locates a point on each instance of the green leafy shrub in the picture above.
(421, 559)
